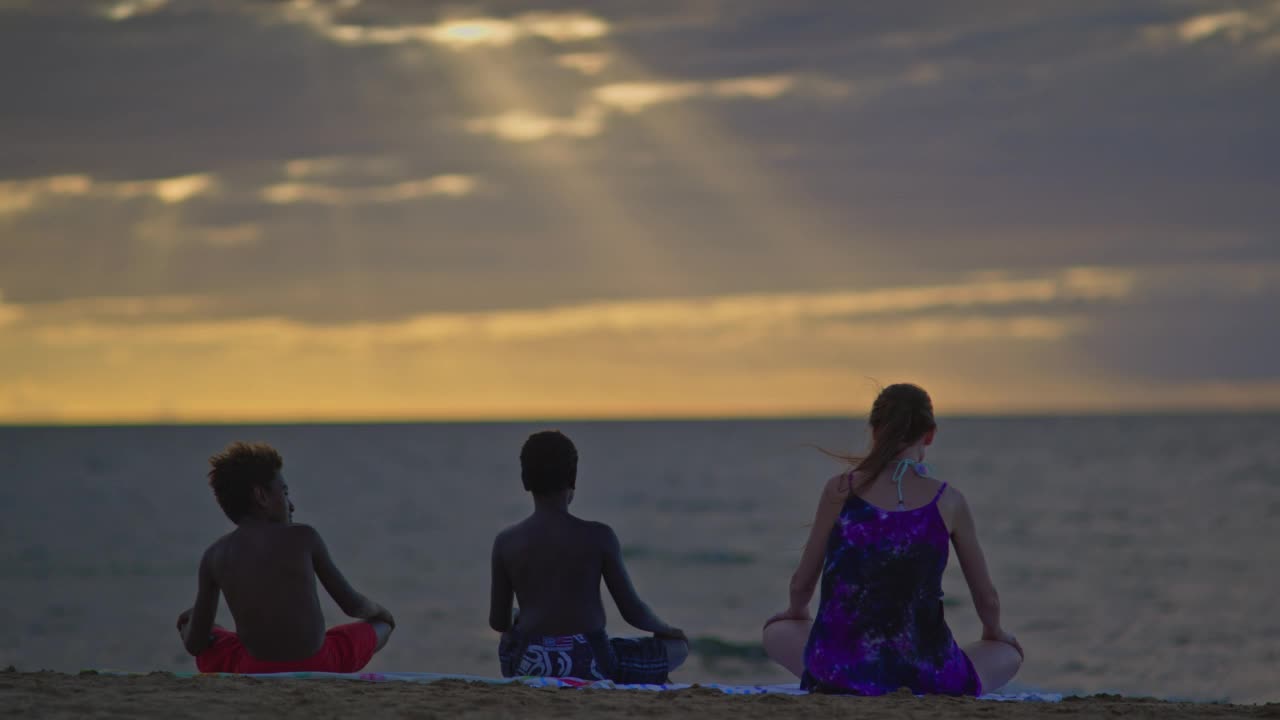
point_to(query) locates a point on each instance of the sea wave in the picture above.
(644, 553)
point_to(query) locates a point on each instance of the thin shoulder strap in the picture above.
(941, 489)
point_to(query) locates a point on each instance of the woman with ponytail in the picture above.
(879, 544)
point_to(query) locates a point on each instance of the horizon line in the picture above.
(71, 423)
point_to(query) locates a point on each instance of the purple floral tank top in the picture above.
(879, 625)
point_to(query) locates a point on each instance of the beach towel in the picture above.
(551, 682)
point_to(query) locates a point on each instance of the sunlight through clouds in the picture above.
(506, 95)
(461, 209)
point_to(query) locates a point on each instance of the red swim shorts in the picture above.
(346, 649)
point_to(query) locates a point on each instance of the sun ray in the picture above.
(762, 208)
(505, 86)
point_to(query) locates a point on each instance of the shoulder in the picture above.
(953, 506)
(516, 534)
(219, 546)
(601, 533)
(305, 535)
(211, 559)
(303, 530)
(952, 497)
(598, 528)
(839, 486)
(505, 535)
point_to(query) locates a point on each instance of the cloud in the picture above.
(766, 309)
(340, 166)
(631, 98)
(563, 27)
(21, 196)
(231, 236)
(1257, 27)
(524, 126)
(462, 33)
(171, 191)
(290, 193)
(584, 62)
(967, 328)
(762, 87)
(629, 317)
(127, 9)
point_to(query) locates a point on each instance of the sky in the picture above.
(239, 210)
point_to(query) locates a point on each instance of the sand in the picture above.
(161, 695)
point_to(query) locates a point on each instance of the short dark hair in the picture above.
(236, 471)
(548, 462)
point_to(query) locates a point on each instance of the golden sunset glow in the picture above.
(792, 354)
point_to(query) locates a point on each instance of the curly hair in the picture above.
(236, 471)
(548, 462)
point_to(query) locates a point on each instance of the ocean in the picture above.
(1133, 555)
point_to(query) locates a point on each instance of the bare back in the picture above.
(555, 563)
(917, 492)
(267, 576)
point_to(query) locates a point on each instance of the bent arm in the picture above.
(633, 609)
(195, 635)
(500, 591)
(805, 579)
(986, 601)
(352, 603)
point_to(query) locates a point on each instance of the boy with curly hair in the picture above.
(267, 569)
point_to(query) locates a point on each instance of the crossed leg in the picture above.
(995, 662)
(784, 643)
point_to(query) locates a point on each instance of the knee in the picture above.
(383, 632)
(781, 631)
(677, 652)
(1012, 657)
(768, 633)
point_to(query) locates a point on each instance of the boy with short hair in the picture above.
(267, 569)
(553, 562)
